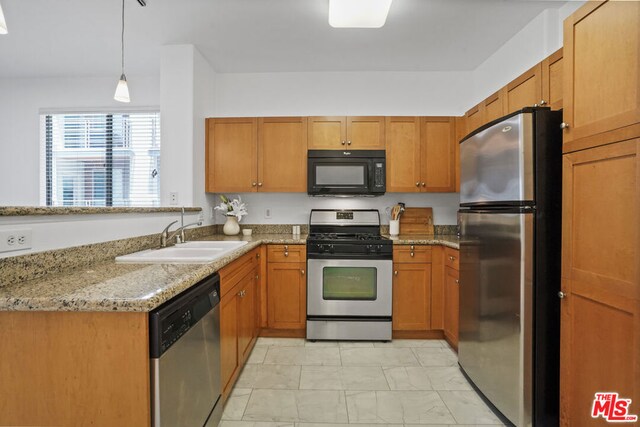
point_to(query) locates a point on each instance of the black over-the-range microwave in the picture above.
(346, 173)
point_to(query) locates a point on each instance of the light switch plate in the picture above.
(15, 240)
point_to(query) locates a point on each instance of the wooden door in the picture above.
(229, 358)
(524, 91)
(474, 118)
(282, 154)
(365, 133)
(552, 80)
(493, 107)
(451, 306)
(412, 297)
(600, 342)
(403, 154)
(438, 151)
(232, 155)
(601, 74)
(246, 315)
(287, 295)
(327, 133)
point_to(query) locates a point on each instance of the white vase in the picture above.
(231, 227)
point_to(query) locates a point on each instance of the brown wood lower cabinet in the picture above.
(287, 287)
(411, 288)
(238, 316)
(600, 340)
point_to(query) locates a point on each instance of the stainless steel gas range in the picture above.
(349, 282)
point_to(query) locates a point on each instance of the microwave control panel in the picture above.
(378, 175)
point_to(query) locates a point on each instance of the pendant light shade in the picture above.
(3, 23)
(122, 90)
(358, 13)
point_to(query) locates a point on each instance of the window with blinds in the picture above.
(100, 159)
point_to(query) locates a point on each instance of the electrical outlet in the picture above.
(267, 213)
(200, 217)
(173, 199)
(15, 240)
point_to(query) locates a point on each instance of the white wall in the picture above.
(22, 102)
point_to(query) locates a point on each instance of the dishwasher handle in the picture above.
(177, 316)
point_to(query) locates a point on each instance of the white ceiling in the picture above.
(82, 37)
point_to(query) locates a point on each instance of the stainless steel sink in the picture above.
(186, 253)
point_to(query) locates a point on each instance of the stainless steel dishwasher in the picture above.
(185, 358)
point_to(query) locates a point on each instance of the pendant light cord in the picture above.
(122, 37)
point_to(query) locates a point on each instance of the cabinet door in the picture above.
(601, 74)
(600, 341)
(474, 118)
(552, 80)
(232, 155)
(411, 297)
(451, 306)
(282, 154)
(524, 91)
(246, 315)
(461, 129)
(403, 154)
(327, 133)
(493, 107)
(229, 360)
(365, 133)
(438, 151)
(287, 295)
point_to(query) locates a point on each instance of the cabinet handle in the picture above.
(395, 273)
(258, 256)
(257, 276)
(561, 295)
(344, 142)
(286, 247)
(424, 184)
(259, 184)
(253, 184)
(412, 247)
(412, 254)
(348, 142)
(543, 102)
(302, 272)
(452, 258)
(457, 282)
(564, 125)
(417, 184)
(286, 254)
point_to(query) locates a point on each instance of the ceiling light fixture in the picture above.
(358, 13)
(3, 23)
(122, 90)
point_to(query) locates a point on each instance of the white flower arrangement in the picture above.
(233, 207)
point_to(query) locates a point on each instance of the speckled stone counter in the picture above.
(75, 210)
(451, 241)
(109, 286)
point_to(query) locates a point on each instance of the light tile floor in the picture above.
(290, 382)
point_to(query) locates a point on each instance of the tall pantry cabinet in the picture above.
(600, 344)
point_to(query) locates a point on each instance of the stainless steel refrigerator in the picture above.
(510, 239)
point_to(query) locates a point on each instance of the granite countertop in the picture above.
(109, 286)
(451, 241)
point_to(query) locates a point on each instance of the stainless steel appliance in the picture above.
(510, 198)
(346, 173)
(349, 264)
(185, 358)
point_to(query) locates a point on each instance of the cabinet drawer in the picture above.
(286, 253)
(412, 253)
(452, 258)
(232, 273)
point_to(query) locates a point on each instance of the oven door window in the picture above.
(349, 283)
(341, 175)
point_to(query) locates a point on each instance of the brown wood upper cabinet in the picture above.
(232, 155)
(354, 133)
(552, 80)
(601, 74)
(474, 118)
(493, 107)
(420, 154)
(249, 154)
(524, 91)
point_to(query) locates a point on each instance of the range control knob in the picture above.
(320, 248)
(330, 249)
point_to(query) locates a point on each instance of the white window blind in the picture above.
(100, 159)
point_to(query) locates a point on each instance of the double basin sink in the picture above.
(200, 252)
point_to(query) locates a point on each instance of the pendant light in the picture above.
(122, 90)
(3, 23)
(358, 13)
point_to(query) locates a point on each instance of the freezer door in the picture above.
(495, 342)
(496, 164)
